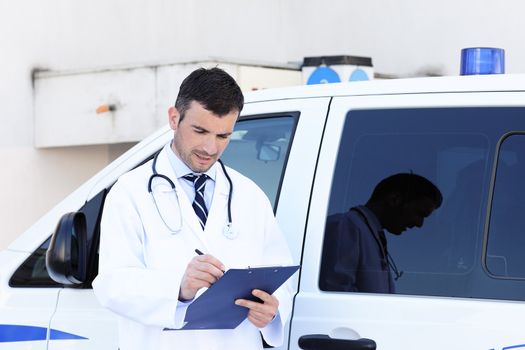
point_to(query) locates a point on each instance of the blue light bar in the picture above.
(482, 60)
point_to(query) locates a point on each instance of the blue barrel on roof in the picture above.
(358, 75)
(323, 75)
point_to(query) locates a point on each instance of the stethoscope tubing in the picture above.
(155, 174)
(230, 193)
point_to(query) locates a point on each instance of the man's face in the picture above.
(201, 136)
(407, 214)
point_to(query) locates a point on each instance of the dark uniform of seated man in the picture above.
(355, 253)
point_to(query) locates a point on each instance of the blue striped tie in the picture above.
(199, 182)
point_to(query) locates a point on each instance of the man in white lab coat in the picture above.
(149, 270)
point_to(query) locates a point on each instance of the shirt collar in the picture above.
(372, 218)
(180, 168)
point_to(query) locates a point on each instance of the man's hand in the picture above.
(261, 313)
(202, 271)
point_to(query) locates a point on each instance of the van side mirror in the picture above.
(66, 259)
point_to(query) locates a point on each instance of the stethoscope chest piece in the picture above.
(229, 231)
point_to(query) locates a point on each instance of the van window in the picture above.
(506, 238)
(33, 271)
(454, 148)
(259, 148)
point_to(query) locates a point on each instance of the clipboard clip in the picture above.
(264, 266)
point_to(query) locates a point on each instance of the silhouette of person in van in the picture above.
(355, 253)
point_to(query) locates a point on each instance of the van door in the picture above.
(459, 277)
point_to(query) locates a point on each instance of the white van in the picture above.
(319, 150)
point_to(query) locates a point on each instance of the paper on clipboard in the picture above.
(216, 309)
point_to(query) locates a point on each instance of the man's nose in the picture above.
(210, 145)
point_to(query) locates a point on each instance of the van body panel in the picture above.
(79, 312)
(449, 84)
(24, 312)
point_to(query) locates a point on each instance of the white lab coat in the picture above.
(142, 262)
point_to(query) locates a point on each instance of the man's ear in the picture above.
(173, 117)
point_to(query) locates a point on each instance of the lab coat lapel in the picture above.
(188, 214)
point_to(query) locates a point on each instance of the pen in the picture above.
(201, 253)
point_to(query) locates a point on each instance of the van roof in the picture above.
(449, 84)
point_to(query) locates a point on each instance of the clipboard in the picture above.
(216, 309)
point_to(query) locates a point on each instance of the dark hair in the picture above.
(213, 88)
(410, 185)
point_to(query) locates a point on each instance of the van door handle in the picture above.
(324, 342)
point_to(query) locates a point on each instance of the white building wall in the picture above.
(404, 37)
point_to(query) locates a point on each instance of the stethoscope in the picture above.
(386, 257)
(228, 230)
